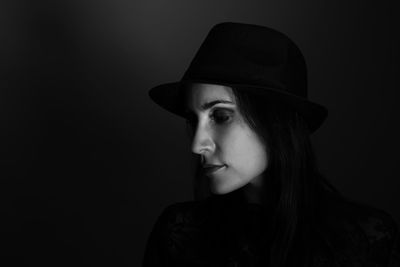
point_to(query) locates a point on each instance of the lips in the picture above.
(209, 168)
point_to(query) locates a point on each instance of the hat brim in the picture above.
(169, 97)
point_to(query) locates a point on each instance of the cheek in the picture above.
(245, 151)
(253, 158)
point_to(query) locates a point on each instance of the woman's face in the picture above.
(232, 154)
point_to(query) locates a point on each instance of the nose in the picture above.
(202, 143)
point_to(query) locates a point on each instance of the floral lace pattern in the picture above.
(188, 234)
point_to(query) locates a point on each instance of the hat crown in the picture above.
(252, 58)
(244, 54)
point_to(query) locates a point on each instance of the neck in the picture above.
(253, 192)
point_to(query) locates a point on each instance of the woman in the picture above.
(260, 200)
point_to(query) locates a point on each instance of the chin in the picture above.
(220, 189)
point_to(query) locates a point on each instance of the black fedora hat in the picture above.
(247, 57)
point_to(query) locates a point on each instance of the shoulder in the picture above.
(181, 233)
(363, 233)
(193, 212)
(381, 233)
(184, 213)
(167, 238)
(375, 224)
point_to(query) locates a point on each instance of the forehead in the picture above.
(201, 93)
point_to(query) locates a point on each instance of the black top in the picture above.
(215, 232)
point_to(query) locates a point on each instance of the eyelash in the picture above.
(219, 116)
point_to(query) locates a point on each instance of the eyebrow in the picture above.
(208, 105)
(213, 103)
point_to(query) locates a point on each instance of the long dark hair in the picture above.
(294, 187)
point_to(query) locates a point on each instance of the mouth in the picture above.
(209, 168)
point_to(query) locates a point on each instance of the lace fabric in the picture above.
(212, 233)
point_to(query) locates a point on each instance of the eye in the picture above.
(221, 116)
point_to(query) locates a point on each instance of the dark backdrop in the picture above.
(88, 162)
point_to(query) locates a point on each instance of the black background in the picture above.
(88, 162)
